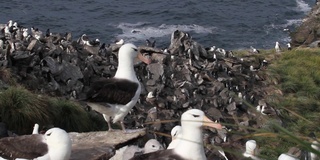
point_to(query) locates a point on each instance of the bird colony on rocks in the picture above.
(184, 75)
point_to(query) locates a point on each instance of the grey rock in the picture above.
(52, 66)
(70, 72)
(99, 145)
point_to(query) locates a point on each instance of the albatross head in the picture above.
(59, 143)
(196, 115)
(251, 146)
(152, 145)
(131, 51)
(176, 131)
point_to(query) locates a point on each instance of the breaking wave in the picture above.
(303, 6)
(144, 30)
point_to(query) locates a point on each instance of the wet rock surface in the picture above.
(183, 76)
(308, 33)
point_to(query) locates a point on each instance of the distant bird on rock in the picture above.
(254, 50)
(119, 42)
(36, 33)
(251, 149)
(289, 46)
(84, 39)
(266, 110)
(151, 44)
(277, 47)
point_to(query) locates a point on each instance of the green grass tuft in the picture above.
(20, 109)
(295, 77)
(70, 116)
(298, 75)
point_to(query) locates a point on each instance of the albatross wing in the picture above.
(112, 91)
(26, 146)
(168, 154)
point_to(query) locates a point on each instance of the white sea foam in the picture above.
(292, 22)
(303, 6)
(144, 30)
(286, 39)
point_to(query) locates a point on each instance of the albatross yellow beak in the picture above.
(144, 59)
(209, 123)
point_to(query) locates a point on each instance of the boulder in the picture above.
(100, 145)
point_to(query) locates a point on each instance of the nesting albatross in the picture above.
(128, 152)
(115, 97)
(190, 146)
(54, 144)
(176, 135)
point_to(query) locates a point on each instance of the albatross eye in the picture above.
(48, 134)
(194, 115)
(135, 49)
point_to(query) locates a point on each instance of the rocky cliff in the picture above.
(309, 31)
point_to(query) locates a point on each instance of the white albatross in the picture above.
(285, 156)
(54, 144)
(190, 146)
(251, 149)
(277, 47)
(289, 46)
(120, 42)
(115, 97)
(176, 134)
(127, 152)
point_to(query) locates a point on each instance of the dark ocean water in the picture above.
(230, 24)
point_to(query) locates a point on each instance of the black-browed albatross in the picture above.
(176, 136)
(190, 146)
(115, 97)
(128, 152)
(55, 144)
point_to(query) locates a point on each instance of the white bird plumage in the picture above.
(190, 145)
(59, 144)
(54, 144)
(115, 107)
(277, 47)
(127, 152)
(175, 135)
(285, 156)
(251, 149)
(35, 129)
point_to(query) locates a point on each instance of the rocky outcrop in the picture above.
(309, 31)
(100, 145)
